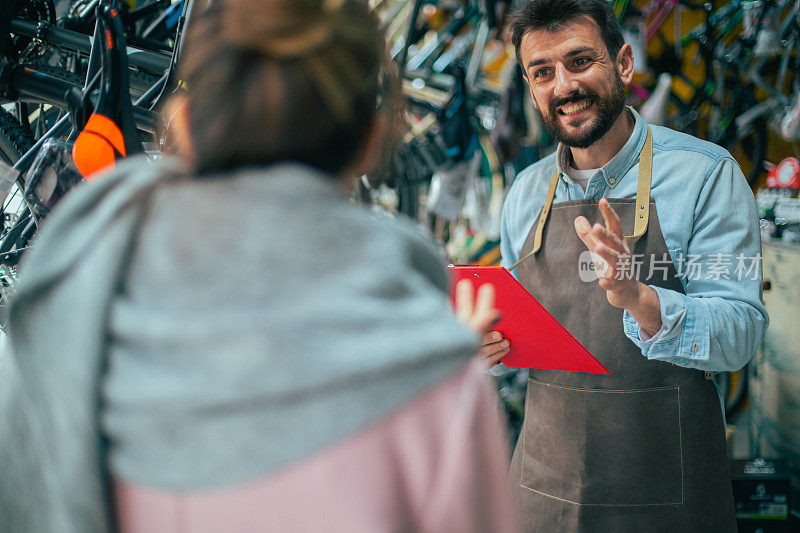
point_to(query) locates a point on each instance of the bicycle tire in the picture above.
(737, 391)
(757, 148)
(14, 139)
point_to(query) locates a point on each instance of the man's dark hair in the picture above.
(552, 15)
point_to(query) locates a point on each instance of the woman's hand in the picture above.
(479, 314)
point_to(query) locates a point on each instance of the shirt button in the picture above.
(694, 347)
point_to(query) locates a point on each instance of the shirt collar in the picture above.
(613, 171)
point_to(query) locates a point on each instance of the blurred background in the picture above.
(727, 72)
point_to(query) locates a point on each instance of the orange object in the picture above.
(98, 146)
(537, 339)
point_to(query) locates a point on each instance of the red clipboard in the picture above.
(537, 339)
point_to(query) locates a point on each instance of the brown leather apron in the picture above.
(641, 449)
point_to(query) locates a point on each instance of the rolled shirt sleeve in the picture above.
(718, 324)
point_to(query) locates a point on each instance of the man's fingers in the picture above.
(611, 218)
(464, 300)
(491, 338)
(611, 257)
(495, 358)
(584, 229)
(491, 350)
(613, 230)
(495, 346)
(611, 240)
(609, 284)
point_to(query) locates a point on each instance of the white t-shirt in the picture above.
(581, 177)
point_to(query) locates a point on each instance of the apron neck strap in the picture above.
(642, 201)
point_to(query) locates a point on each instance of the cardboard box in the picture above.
(761, 492)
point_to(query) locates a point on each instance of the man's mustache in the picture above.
(572, 98)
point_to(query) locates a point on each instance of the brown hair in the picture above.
(281, 80)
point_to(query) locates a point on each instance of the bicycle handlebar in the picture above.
(153, 62)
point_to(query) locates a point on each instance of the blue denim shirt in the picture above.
(710, 224)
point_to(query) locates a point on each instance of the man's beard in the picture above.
(608, 109)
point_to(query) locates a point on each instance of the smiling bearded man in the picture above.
(643, 447)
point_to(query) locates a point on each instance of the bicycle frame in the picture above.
(27, 85)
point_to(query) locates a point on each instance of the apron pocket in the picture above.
(603, 447)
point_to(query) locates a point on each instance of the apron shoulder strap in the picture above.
(643, 191)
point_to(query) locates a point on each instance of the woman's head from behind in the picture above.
(281, 80)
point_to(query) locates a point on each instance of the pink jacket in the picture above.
(438, 464)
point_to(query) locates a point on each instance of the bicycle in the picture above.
(86, 77)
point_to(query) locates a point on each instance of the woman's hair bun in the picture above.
(284, 29)
(298, 77)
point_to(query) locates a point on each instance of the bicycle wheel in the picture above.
(14, 139)
(14, 142)
(15, 216)
(733, 386)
